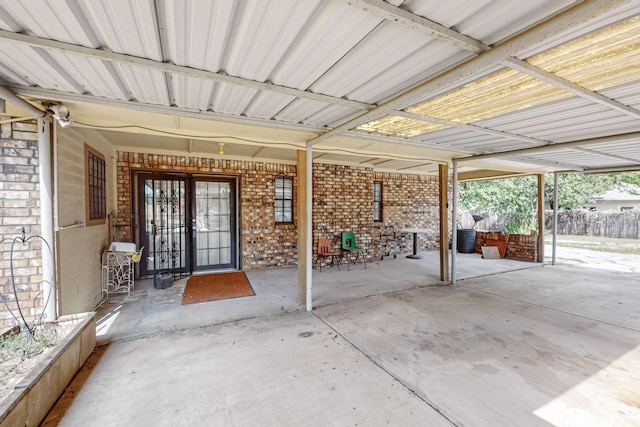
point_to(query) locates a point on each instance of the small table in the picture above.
(415, 232)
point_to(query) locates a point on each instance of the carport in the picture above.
(416, 87)
(432, 91)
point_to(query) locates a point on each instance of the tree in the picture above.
(632, 178)
(516, 198)
(512, 198)
(575, 190)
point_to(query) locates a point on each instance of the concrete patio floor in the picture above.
(512, 343)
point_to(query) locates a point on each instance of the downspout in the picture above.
(309, 231)
(46, 218)
(309, 209)
(454, 222)
(555, 218)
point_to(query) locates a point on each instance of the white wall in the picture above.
(80, 249)
(613, 205)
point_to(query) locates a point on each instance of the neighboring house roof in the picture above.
(630, 193)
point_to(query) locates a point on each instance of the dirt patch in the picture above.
(20, 353)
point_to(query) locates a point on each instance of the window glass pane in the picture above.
(284, 199)
(288, 189)
(95, 181)
(377, 201)
(279, 188)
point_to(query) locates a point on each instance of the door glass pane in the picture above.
(213, 212)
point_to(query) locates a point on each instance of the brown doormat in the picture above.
(212, 287)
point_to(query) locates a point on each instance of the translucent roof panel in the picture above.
(608, 57)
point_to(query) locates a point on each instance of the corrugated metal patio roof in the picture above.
(399, 85)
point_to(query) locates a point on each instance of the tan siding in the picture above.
(79, 258)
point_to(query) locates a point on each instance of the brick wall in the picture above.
(411, 201)
(519, 246)
(263, 242)
(20, 207)
(343, 201)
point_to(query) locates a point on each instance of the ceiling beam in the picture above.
(416, 22)
(564, 84)
(12, 98)
(609, 155)
(570, 18)
(613, 169)
(67, 48)
(632, 136)
(33, 92)
(407, 141)
(471, 127)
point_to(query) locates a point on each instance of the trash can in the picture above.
(466, 240)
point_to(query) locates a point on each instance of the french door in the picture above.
(214, 223)
(186, 224)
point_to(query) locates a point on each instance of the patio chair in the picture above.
(349, 246)
(325, 250)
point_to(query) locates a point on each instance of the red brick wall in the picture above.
(519, 246)
(411, 201)
(343, 201)
(20, 207)
(263, 242)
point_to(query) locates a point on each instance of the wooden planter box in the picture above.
(34, 396)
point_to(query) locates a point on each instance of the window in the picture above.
(96, 186)
(377, 201)
(284, 199)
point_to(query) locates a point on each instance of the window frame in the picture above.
(283, 199)
(380, 209)
(95, 184)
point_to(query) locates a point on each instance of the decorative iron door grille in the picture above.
(165, 226)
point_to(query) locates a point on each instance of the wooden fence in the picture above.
(579, 222)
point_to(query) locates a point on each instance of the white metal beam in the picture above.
(10, 96)
(609, 155)
(570, 18)
(157, 109)
(632, 136)
(471, 127)
(616, 169)
(559, 82)
(408, 141)
(68, 48)
(416, 22)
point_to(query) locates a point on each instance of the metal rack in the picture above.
(388, 242)
(117, 268)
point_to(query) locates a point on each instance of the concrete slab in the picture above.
(512, 343)
(603, 295)
(283, 370)
(483, 358)
(148, 310)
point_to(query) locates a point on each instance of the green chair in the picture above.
(350, 246)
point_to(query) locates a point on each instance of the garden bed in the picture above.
(36, 393)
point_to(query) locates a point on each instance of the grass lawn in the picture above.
(603, 244)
